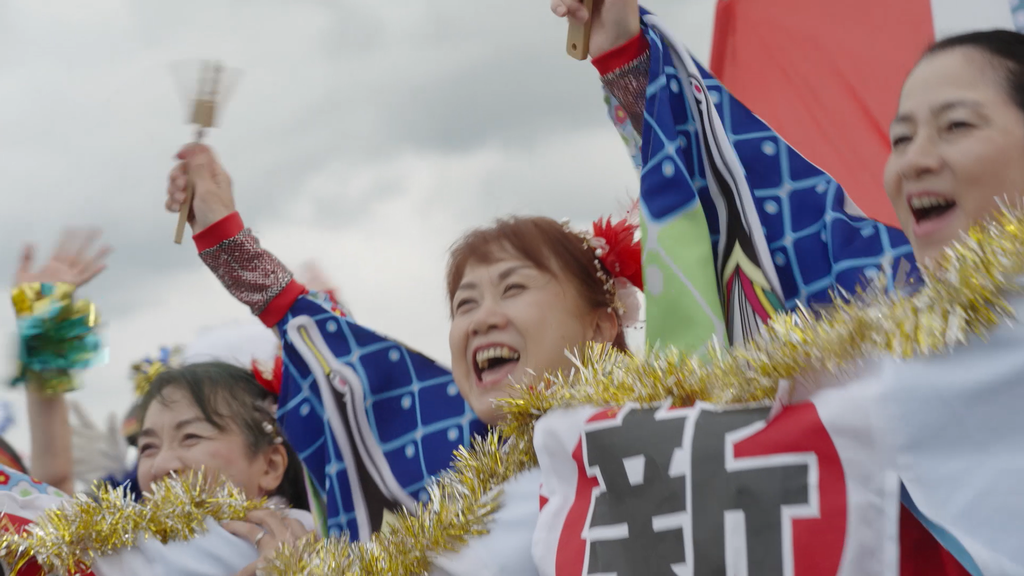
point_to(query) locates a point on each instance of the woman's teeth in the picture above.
(489, 357)
(929, 201)
(927, 207)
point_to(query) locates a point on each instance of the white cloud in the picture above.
(365, 135)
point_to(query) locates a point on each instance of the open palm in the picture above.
(75, 261)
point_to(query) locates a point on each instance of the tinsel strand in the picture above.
(68, 538)
(964, 295)
(460, 502)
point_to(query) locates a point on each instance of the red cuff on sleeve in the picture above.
(224, 229)
(281, 303)
(621, 55)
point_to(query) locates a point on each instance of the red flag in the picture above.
(827, 75)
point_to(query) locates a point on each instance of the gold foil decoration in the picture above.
(66, 539)
(964, 294)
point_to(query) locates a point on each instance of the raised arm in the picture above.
(367, 390)
(744, 226)
(253, 275)
(75, 262)
(618, 50)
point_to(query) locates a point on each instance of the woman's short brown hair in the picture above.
(542, 242)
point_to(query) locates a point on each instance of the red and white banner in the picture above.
(705, 492)
(816, 491)
(827, 74)
(18, 514)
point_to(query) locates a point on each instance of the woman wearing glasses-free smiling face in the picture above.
(958, 138)
(522, 293)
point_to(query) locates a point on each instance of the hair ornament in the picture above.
(271, 429)
(616, 246)
(144, 371)
(270, 426)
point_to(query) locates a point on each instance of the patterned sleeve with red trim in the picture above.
(253, 275)
(624, 72)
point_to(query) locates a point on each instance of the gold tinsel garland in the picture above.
(964, 295)
(66, 539)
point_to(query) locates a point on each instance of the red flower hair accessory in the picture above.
(619, 261)
(618, 248)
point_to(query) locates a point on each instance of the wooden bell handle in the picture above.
(190, 189)
(578, 42)
(183, 213)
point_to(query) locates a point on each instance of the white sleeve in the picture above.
(217, 552)
(954, 422)
(505, 550)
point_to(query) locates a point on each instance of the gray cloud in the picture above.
(366, 135)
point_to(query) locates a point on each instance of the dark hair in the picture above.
(542, 242)
(230, 397)
(1003, 47)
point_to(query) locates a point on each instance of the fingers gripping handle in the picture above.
(578, 42)
(186, 208)
(190, 192)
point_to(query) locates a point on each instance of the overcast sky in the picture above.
(364, 135)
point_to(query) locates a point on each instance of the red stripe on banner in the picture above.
(817, 542)
(572, 546)
(827, 77)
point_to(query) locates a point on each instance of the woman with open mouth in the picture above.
(525, 290)
(522, 293)
(957, 138)
(517, 293)
(957, 141)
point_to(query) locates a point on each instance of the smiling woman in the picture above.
(958, 138)
(522, 292)
(957, 153)
(216, 416)
(525, 293)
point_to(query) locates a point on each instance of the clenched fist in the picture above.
(614, 21)
(213, 197)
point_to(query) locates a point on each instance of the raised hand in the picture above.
(614, 21)
(75, 261)
(213, 198)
